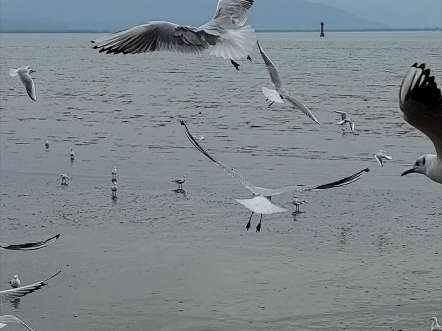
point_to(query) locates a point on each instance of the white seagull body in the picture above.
(24, 74)
(223, 36)
(434, 325)
(279, 94)
(114, 189)
(261, 203)
(296, 202)
(30, 246)
(345, 119)
(180, 182)
(47, 143)
(9, 295)
(15, 282)
(420, 101)
(382, 155)
(5, 319)
(114, 172)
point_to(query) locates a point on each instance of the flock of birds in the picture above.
(226, 36)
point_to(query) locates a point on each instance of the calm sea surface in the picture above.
(363, 257)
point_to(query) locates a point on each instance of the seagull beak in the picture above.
(409, 171)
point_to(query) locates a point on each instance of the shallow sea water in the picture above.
(363, 257)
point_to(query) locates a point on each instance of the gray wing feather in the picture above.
(19, 292)
(342, 113)
(30, 246)
(232, 172)
(420, 100)
(229, 12)
(28, 83)
(151, 37)
(338, 183)
(299, 105)
(271, 68)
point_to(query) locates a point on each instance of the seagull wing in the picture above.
(420, 101)
(298, 188)
(151, 37)
(379, 159)
(19, 292)
(28, 82)
(299, 105)
(273, 72)
(342, 113)
(261, 205)
(5, 319)
(30, 246)
(228, 13)
(232, 172)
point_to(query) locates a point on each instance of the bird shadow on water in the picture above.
(180, 191)
(16, 303)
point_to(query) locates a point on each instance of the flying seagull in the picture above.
(5, 319)
(30, 246)
(345, 119)
(280, 93)
(261, 203)
(420, 101)
(24, 74)
(9, 295)
(382, 155)
(223, 36)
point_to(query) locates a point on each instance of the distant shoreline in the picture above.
(267, 31)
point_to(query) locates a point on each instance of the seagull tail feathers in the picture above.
(272, 95)
(13, 72)
(235, 44)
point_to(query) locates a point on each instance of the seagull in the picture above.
(9, 295)
(345, 119)
(297, 203)
(24, 74)
(114, 189)
(261, 203)
(180, 182)
(5, 319)
(15, 282)
(114, 172)
(63, 179)
(223, 36)
(420, 101)
(201, 138)
(72, 155)
(47, 143)
(30, 246)
(279, 93)
(435, 326)
(382, 155)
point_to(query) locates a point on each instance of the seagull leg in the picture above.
(271, 103)
(236, 65)
(249, 58)
(258, 227)
(248, 224)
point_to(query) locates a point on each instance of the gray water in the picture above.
(363, 257)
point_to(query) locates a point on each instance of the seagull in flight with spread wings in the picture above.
(29, 246)
(10, 295)
(420, 101)
(223, 36)
(261, 203)
(279, 94)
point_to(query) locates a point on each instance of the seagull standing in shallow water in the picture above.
(5, 319)
(72, 155)
(24, 74)
(297, 203)
(345, 119)
(261, 203)
(180, 182)
(224, 35)
(47, 143)
(420, 101)
(382, 155)
(114, 189)
(15, 282)
(279, 94)
(64, 177)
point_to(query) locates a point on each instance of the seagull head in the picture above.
(434, 319)
(15, 276)
(421, 165)
(31, 71)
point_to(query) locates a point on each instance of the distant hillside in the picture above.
(117, 14)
